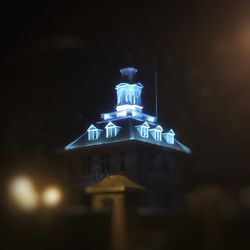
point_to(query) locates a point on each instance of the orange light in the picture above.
(23, 193)
(52, 196)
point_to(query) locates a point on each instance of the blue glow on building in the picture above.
(143, 129)
(169, 136)
(128, 73)
(111, 130)
(72, 144)
(128, 122)
(107, 116)
(93, 132)
(150, 118)
(129, 94)
(157, 132)
(128, 99)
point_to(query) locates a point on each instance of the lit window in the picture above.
(93, 133)
(158, 136)
(157, 132)
(144, 132)
(170, 136)
(111, 130)
(143, 129)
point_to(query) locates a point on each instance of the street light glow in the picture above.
(52, 196)
(23, 193)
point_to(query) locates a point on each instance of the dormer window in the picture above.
(111, 130)
(143, 129)
(93, 133)
(158, 136)
(157, 132)
(169, 136)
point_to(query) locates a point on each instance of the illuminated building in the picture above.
(126, 141)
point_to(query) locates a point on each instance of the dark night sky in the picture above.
(60, 62)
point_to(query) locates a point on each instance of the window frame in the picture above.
(111, 130)
(158, 135)
(93, 133)
(143, 130)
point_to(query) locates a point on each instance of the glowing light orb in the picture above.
(23, 193)
(52, 196)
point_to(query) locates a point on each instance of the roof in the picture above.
(114, 183)
(138, 84)
(128, 131)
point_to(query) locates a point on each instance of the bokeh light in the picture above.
(23, 193)
(52, 196)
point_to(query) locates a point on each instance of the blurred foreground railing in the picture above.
(111, 221)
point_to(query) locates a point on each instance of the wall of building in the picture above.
(148, 165)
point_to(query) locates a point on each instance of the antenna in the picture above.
(156, 86)
(156, 94)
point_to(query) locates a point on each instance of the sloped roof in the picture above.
(127, 132)
(114, 183)
(129, 84)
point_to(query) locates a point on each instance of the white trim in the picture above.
(93, 133)
(111, 130)
(128, 107)
(170, 136)
(157, 132)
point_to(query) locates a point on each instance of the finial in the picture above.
(128, 73)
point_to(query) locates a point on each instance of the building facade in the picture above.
(128, 142)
